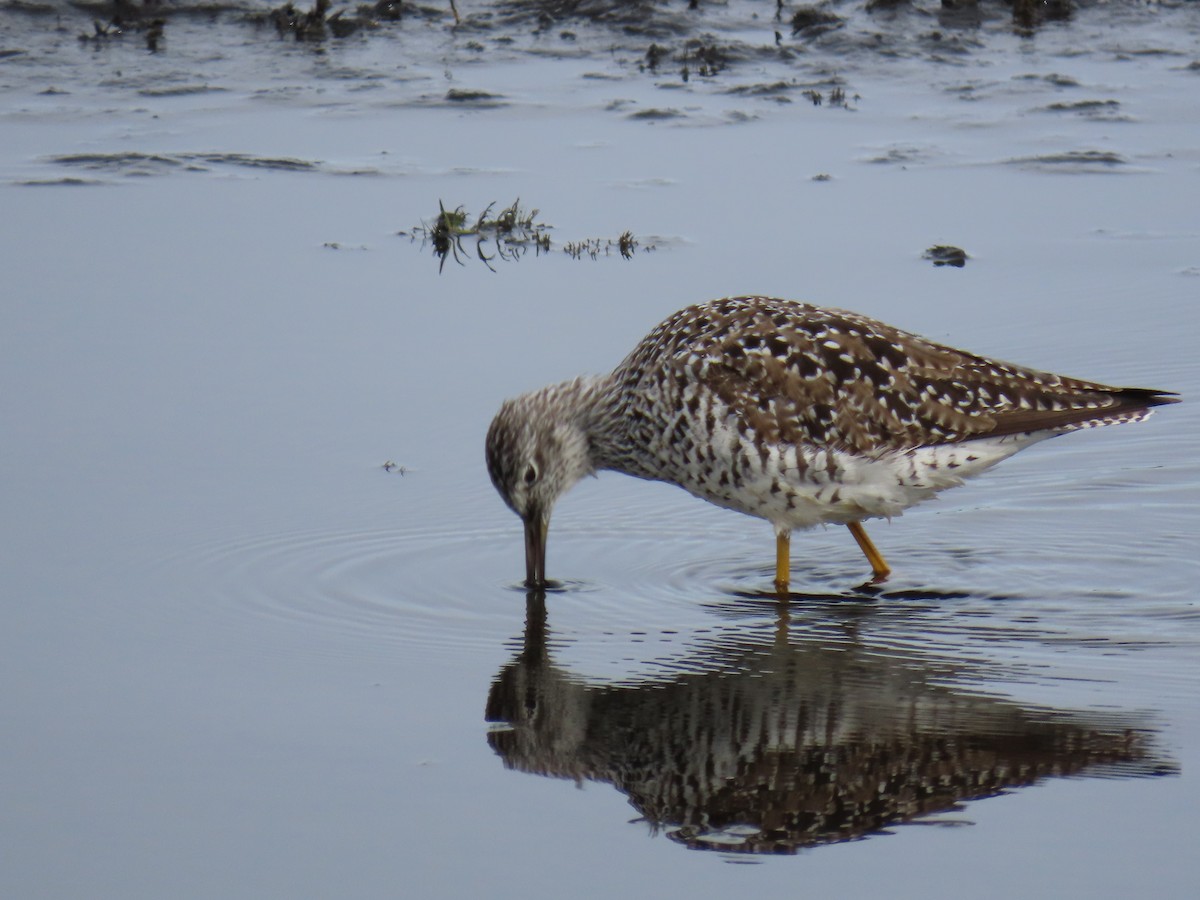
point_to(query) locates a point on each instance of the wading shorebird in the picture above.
(797, 414)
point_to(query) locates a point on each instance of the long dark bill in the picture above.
(535, 551)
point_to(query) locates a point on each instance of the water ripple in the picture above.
(642, 597)
(354, 590)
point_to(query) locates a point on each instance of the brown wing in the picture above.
(800, 374)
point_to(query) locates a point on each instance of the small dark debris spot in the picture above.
(1060, 80)
(762, 90)
(657, 114)
(945, 255)
(1081, 159)
(1083, 106)
(464, 95)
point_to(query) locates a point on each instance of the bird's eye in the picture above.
(531, 474)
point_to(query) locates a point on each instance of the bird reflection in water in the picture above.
(774, 744)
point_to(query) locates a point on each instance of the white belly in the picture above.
(820, 487)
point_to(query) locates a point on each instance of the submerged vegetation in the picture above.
(672, 41)
(688, 21)
(143, 19)
(319, 23)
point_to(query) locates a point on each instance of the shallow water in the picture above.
(245, 659)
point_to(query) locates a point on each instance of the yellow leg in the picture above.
(878, 565)
(783, 559)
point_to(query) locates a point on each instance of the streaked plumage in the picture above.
(794, 413)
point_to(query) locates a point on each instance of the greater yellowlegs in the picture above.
(797, 414)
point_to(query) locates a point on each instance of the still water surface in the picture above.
(244, 659)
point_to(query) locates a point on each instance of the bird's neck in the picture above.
(590, 405)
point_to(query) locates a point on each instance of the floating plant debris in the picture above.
(508, 236)
(594, 248)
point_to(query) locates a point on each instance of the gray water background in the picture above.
(243, 659)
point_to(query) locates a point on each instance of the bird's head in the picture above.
(536, 450)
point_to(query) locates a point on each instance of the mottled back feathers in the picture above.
(803, 375)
